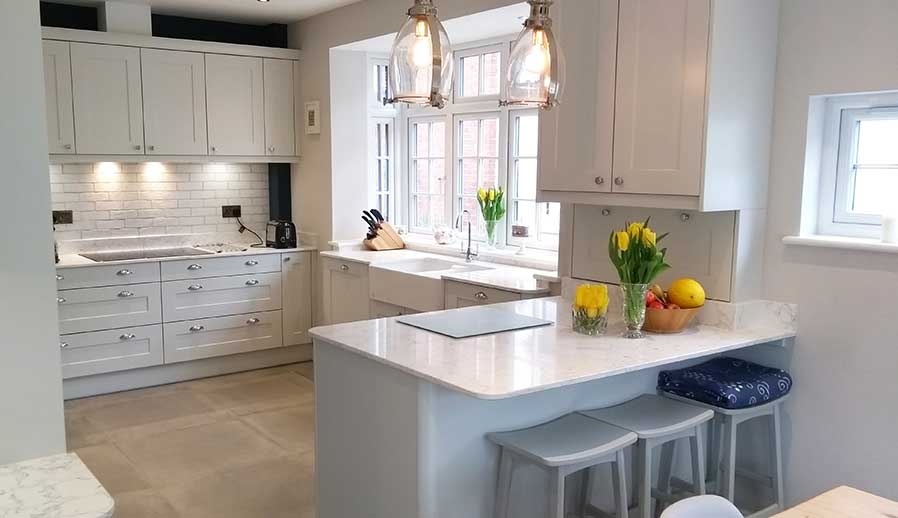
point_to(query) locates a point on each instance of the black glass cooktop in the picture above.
(130, 255)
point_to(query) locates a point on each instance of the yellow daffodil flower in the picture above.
(592, 300)
(634, 229)
(622, 240)
(648, 237)
(492, 195)
(481, 194)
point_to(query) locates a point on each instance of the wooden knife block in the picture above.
(387, 239)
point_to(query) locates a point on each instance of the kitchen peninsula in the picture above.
(402, 412)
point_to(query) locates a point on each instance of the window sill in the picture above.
(843, 243)
(532, 258)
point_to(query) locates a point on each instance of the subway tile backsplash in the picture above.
(112, 200)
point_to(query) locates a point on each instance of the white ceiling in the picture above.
(480, 26)
(246, 11)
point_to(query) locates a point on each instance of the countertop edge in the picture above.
(496, 286)
(252, 251)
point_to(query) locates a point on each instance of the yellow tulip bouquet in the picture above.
(635, 254)
(492, 207)
(590, 309)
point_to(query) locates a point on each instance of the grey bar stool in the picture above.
(659, 421)
(562, 447)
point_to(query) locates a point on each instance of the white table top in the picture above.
(521, 362)
(59, 486)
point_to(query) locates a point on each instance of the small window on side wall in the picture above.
(859, 173)
(479, 74)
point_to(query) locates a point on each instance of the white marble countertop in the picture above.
(511, 364)
(499, 276)
(75, 260)
(59, 486)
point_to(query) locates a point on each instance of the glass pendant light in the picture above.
(535, 65)
(421, 64)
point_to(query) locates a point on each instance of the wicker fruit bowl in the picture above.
(668, 321)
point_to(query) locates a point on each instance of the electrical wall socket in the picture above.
(63, 217)
(230, 211)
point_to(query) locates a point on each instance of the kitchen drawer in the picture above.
(220, 266)
(205, 338)
(108, 275)
(220, 296)
(461, 295)
(95, 309)
(85, 354)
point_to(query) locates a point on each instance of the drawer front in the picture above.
(205, 338)
(460, 295)
(96, 309)
(86, 354)
(220, 296)
(109, 275)
(220, 266)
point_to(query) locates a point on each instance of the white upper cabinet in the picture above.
(174, 102)
(576, 138)
(235, 102)
(280, 125)
(58, 91)
(108, 104)
(666, 104)
(660, 96)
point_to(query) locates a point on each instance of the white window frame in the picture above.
(457, 160)
(375, 99)
(503, 49)
(409, 175)
(837, 163)
(374, 161)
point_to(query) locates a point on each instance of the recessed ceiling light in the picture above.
(262, 1)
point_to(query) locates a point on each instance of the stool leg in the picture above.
(644, 453)
(589, 476)
(728, 466)
(619, 480)
(713, 453)
(665, 471)
(776, 461)
(503, 489)
(556, 494)
(698, 462)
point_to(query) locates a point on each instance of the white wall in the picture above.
(842, 419)
(30, 376)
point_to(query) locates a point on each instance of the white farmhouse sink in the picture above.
(415, 283)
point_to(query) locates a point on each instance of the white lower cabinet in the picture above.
(205, 338)
(386, 310)
(109, 275)
(461, 295)
(85, 354)
(92, 309)
(220, 296)
(345, 291)
(296, 288)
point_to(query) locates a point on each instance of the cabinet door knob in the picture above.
(194, 267)
(481, 296)
(124, 273)
(271, 149)
(196, 329)
(63, 345)
(127, 336)
(252, 262)
(195, 287)
(600, 180)
(213, 149)
(286, 259)
(684, 217)
(67, 146)
(125, 294)
(59, 277)
(606, 212)
(618, 181)
(151, 148)
(344, 268)
(137, 147)
(252, 282)
(253, 321)
(60, 300)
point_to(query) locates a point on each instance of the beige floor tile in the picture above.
(240, 377)
(293, 429)
(81, 432)
(134, 433)
(77, 406)
(283, 390)
(275, 488)
(307, 369)
(180, 455)
(112, 469)
(143, 504)
(147, 410)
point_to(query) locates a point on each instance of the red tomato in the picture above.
(650, 298)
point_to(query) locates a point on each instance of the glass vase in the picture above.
(586, 325)
(492, 233)
(634, 308)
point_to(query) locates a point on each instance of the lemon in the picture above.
(686, 293)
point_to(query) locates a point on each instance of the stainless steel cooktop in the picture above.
(130, 255)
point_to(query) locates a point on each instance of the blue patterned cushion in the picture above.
(727, 383)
